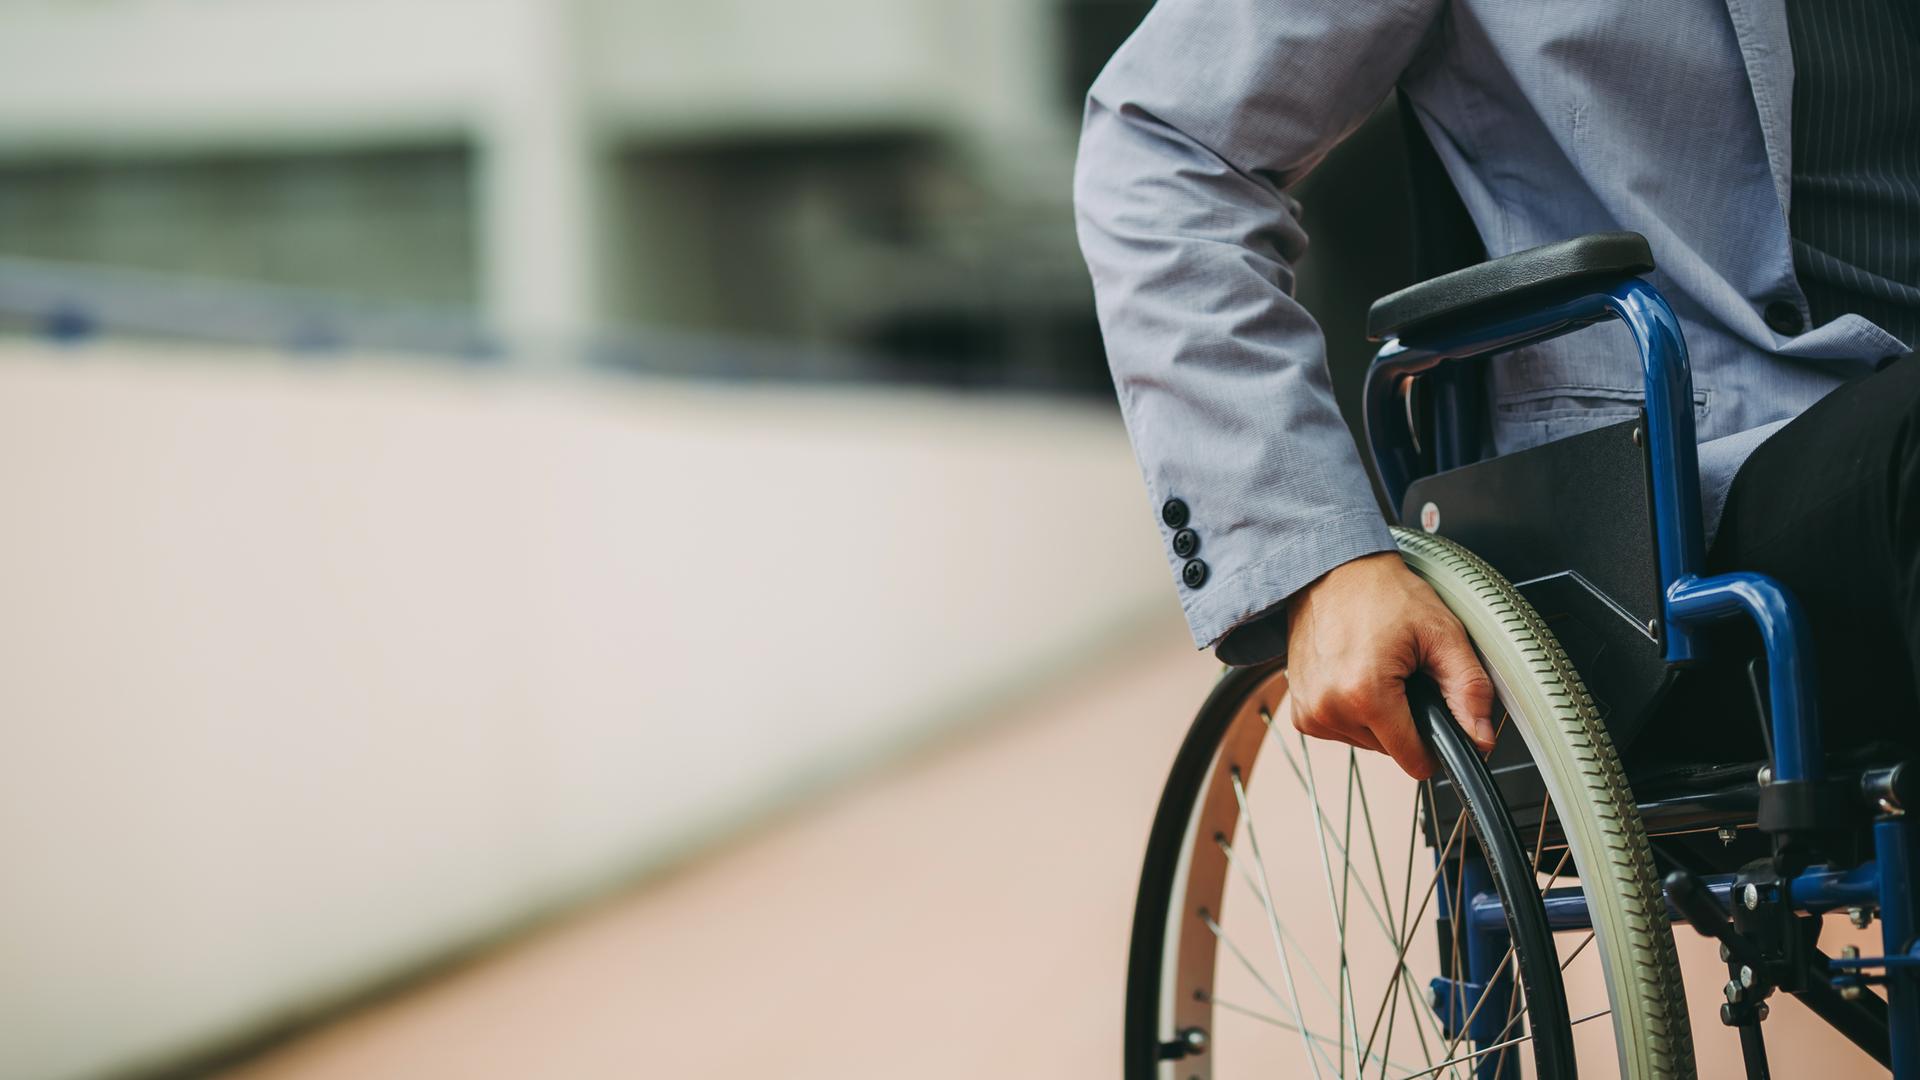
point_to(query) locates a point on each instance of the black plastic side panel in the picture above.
(1571, 524)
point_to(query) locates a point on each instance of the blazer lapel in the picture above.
(1761, 27)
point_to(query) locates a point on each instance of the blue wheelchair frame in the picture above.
(1690, 601)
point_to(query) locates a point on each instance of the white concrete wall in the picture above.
(309, 672)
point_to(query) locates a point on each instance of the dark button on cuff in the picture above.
(1783, 318)
(1185, 543)
(1174, 513)
(1194, 573)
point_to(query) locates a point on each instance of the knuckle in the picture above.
(1445, 631)
(1352, 702)
(1315, 720)
(1411, 755)
(1395, 740)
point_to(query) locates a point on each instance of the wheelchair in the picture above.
(1515, 916)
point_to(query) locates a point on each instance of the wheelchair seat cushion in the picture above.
(1507, 284)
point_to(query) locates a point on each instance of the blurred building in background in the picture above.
(340, 639)
(884, 178)
(366, 595)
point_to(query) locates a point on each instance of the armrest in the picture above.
(1509, 283)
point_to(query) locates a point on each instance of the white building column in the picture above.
(537, 167)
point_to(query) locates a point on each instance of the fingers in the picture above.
(1372, 716)
(1401, 741)
(1366, 740)
(1322, 723)
(1448, 656)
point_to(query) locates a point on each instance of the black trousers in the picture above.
(1830, 507)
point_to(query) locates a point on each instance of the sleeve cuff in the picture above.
(1253, 599)
(1256, 641)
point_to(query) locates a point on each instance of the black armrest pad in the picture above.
(1459, 297)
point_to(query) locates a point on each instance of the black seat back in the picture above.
(1444, 235)
(1445, 239)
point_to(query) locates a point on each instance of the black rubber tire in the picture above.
(1146, 956)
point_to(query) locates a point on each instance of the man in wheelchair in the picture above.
(1727, 189)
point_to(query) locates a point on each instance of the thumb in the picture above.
(1449, 657)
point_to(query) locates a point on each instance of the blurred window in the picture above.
(388, 224)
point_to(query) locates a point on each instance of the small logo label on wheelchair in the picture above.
(1430, 518)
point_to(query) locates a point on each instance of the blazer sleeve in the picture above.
(1192, 136)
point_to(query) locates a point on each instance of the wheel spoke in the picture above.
(1540, 838)
(1379, 870)
(1513, 1011)
(1320, 820)
(1513, 991)
(1255, 1014)
(1393, 985)
(1584, 942)
(1221, 933)
(1393, 1012)
(1333, 903)
(1401, 944)
(1456, 929)
(1484, 1051)
(1228, 941)
(1346, 879)
(1404, 939)
(1406, 901)
(1379, 918)
(1400, 931)
(1273, 919)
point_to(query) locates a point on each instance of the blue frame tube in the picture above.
(1816, 891)
(1893, 851)
(1797, 750)
(1486, 949)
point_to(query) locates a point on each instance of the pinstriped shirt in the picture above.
(1855, 215)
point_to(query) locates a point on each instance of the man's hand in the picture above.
(1353, 638)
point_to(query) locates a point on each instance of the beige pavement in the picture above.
(963, 916)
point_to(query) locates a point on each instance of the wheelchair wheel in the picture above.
(1289, 927)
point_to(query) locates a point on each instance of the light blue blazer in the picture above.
(1553, 117)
